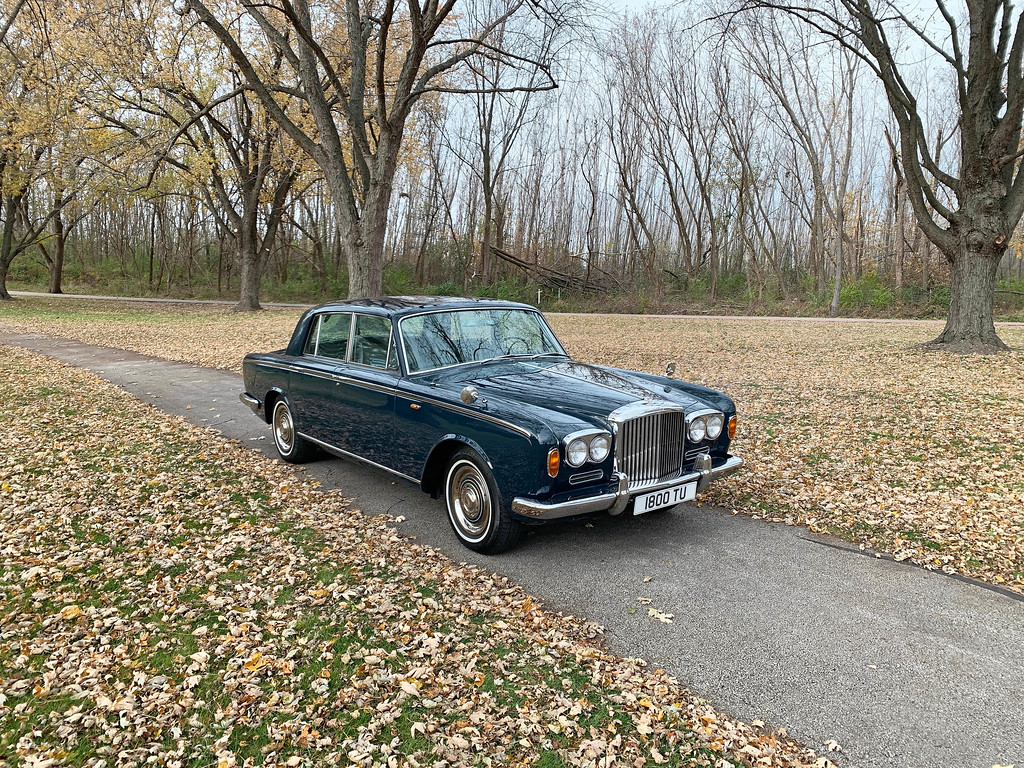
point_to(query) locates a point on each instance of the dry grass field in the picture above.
(847, 427)
(171, 599)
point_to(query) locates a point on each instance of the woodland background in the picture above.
(725, 165)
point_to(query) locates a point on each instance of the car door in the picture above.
(363, 406)
(313, 388)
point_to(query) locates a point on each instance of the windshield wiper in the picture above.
(504, 357)
(524, 356)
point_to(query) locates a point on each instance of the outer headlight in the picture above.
(697, 430)
(715, 423)
(576, 452)
(599, 448)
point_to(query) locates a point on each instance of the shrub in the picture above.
(938, 297)
(732, 286)
(881, 298)
(399, 279)
(852, 296)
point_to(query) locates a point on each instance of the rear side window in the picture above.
(314, 334)
(330, 336)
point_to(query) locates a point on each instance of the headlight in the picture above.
(599, 448)
(714, 426)
(697, 430)
(576, 453)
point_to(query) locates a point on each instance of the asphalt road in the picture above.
(646, 316)
(898, 666)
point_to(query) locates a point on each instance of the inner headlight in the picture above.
(714, 426)
(697, 430)
(599, 448)
(576, 452)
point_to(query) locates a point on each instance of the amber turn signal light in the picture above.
(553, 461)
(732, 427)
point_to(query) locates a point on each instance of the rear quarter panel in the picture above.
(263, 375)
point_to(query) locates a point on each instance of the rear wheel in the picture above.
(293, 448)
(476, 509)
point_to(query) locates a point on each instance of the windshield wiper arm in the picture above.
(527, 355)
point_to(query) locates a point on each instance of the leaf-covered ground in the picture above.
(168, 598)
(846, 427)
(849, 429)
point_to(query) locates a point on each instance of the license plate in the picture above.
(666, 497)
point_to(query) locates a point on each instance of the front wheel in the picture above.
(293, 448)
(476, 510)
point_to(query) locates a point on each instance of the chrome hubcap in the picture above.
(284, 432)
(469, 501)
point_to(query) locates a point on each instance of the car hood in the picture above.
(568, 387)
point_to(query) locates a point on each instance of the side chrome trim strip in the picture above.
(341, 378)
(360, 383)
(394, 391)
(357, 457)
(284, 366)
(468, 412)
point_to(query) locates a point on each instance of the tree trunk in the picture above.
(837, 288)
(978, 237)
(926, 260)
(486, 244)
(363, 242)
(57, 264)
(901, 236)
(251, 274)
(363, 229)
(11, 203)
(817, 243)
(970, 325)
(365, 267)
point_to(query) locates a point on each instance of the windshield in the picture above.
(440, 339)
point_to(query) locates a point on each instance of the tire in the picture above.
(476, 509)
(292, 448)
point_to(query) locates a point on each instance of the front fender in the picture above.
(516, 462)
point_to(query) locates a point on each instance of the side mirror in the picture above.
(670, 369)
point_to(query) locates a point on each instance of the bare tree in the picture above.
(360, 68)
(247, 176)
(983, 50)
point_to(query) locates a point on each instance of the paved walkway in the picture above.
(898, 666)
(757, 318)
(144, 299)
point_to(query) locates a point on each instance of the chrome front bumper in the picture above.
(615, 502)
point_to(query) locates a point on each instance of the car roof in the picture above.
(396, 306)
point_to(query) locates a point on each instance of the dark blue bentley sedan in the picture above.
(476, 400)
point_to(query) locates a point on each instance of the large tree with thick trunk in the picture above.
(359, 67)
(969, 205)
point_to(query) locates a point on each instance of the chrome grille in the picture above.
(650, 447)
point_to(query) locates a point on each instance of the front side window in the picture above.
(370, 341)
(441, 339)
